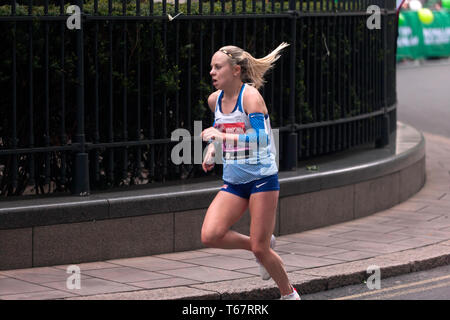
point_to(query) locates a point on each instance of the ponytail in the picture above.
(253, 69)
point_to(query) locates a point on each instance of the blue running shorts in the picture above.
(269, 183)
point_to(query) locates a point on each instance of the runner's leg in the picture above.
(263, 207)
(225, 210)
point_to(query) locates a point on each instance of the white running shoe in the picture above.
(262, 271)
(293, 296)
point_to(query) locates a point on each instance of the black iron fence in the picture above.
(92, 109)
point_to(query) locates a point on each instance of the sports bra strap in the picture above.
(239, 100)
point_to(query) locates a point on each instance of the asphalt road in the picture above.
(432, 284)
(423, 94)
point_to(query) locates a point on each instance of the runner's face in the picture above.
(221, 70)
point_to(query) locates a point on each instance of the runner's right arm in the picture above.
(208, 162)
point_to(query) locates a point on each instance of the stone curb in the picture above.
(306, 281)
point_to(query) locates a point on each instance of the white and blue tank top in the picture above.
(243, 161)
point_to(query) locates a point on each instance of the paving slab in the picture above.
(309, 250)
(175, 293)
(351, 255)
(151, 263)
(372, 237)
(255, 270)
(92, 286)
(425, 233)
(310, 239)
(223, 262)
(408, 215)
(302, 261)
(41, 295)
(178, 256)
(205, 274)
(90, 266)
(239, 253)
(165, 283)
(369, 246)
(125, 274)
(9, 286)
(371, 227)
(411, 206)
(40, 275)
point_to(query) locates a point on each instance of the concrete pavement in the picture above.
(412, 236)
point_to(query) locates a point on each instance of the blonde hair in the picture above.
(252, 69)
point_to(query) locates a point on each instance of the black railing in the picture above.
(93, 108)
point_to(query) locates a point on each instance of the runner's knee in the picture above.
(211, 237)
(259, 249)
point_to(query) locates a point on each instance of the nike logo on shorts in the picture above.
(259, 185)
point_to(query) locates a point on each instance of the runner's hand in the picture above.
(208, 162)
(212, 134)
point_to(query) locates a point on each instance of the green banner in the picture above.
(418, 39)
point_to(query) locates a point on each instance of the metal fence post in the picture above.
(81, 161)
(291, 146)
(383, 140)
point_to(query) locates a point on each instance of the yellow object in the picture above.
(425, 15)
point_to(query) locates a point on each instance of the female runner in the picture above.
(250, 174)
